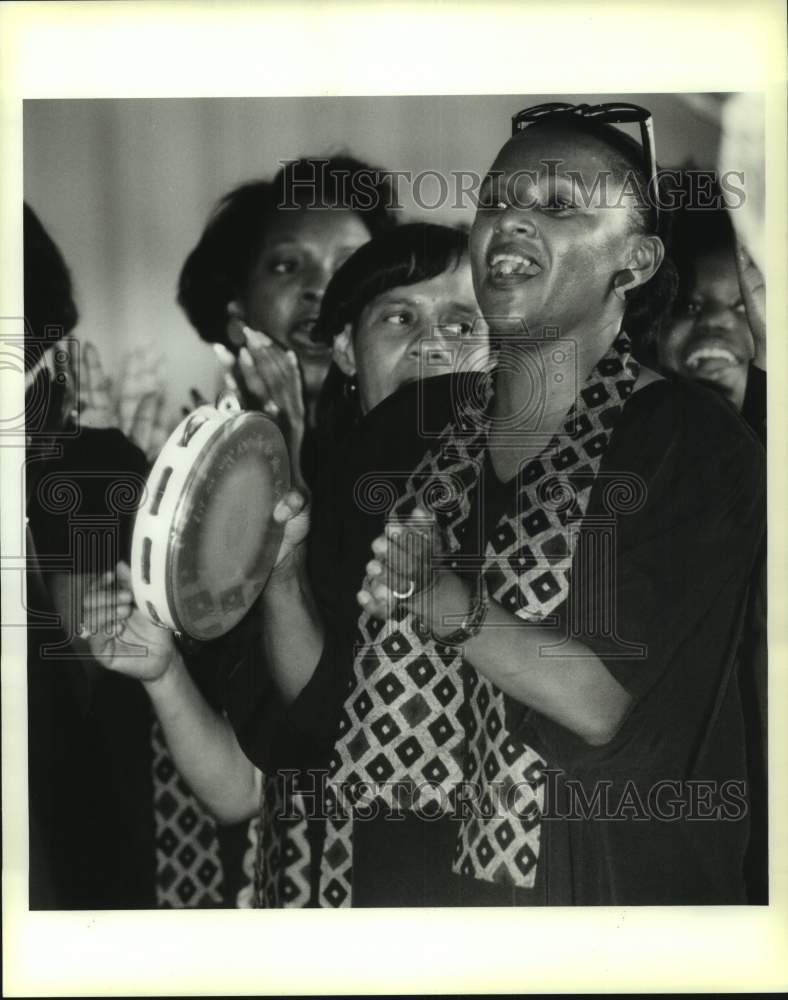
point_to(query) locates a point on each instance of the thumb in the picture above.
(291, 504)
(123, 573)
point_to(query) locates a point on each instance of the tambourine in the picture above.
(204, 539)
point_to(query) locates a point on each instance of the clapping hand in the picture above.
(96, 405)
(148, 430)
(408, 568)
(272, 377)
(119, 635)
(137, 409)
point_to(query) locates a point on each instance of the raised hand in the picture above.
(148, 430)
(272, 377)
(119, 635)
(96, 406)
(141, 370)
(753, 293)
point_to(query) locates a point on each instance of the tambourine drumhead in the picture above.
(203, 557)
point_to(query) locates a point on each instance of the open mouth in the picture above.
(709, 359)
(511, 266)
(301, 339)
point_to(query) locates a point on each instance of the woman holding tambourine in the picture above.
(406, 290)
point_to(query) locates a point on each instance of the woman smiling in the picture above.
(579, 603)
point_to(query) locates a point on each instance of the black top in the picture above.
(91, 822)
(682, 566)
(754, 405)
(682, 569)
(754, 681)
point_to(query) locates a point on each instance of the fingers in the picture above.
(749, 273)
(399, 580)
(235, 324)
(753, 292)
(376, 599)
(94, 391)
(142, 425)
(159, 434)
(120, 652)
(106, 604)
(140, 368)
(272, 373)
(284, 375)
(261, 367)
(291, 504)
(411, 547)
(403, 572)
(226, 361)
(92, 372)
(253, 380)
(402, 564)
(225, 358)
(101, 606)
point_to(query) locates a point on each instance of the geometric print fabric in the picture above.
(188, 864)
(417, 718)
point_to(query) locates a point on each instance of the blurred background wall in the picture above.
(125, 186)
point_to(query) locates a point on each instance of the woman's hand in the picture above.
(148, 430)
(271, 376)
(269, 379)
(96, 405)
(119, 635)
(293, 512)
(753, 293)
(408, 569)
(137, 409)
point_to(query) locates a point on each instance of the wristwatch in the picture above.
(473, 621)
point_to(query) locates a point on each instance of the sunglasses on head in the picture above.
(613, 113)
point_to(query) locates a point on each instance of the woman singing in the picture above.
(549, 658)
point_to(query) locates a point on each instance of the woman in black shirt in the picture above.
(596, 561)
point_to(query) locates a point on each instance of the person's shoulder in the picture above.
(680, 406)
(679, 421)
(435, 395)
(422, 409)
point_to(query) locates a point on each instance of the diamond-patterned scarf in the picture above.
(189, 868)
(420, 728)
(188, 864)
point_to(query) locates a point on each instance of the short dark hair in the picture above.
(49, 296)
(217, 269)
(696, 233)
(414, 252)
(648, 305)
